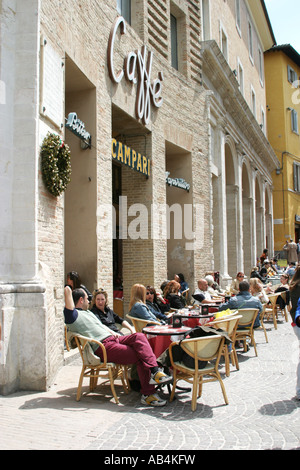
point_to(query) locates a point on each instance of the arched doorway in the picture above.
(247, 204)
(232, 211)
(260, 219)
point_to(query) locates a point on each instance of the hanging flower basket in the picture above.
(56, 164)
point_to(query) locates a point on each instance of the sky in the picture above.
(285, 20)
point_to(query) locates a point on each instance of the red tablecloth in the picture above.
(162, 336)
(159, 344)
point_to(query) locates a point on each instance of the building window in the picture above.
(263, 121)
(174, 42)
(253, 101)
(294, 117)
(124, 8)
(297, 177)
(261, 66)
(205, 20)
(224, 43)
(292, 76)
(238, 15)
(250, 41)
(241, 77)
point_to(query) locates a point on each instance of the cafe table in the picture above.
(274, 280)
(193, 318)
(161, 336)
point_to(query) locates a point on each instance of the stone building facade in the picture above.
(146, 197)
(235, 35)
(58, 54)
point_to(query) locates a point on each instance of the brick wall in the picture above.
(82, 34)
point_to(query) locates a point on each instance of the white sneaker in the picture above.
(160, 378)
(153, 400)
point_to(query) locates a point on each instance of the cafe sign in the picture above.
(177, 182)
(137, 69)
(78, 128)
(129, 157)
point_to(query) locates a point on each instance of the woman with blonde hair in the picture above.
(137, 304)
(257, 290)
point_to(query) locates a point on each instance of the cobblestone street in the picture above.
(262, 413)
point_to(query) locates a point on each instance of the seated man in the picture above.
(244, 300)
(201, 295)
(130, 349)
(290, 270)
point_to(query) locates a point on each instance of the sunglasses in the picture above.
(98, 291)
(149, 293)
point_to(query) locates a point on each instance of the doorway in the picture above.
(80, 250)
(181, 213)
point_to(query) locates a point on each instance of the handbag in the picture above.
(179, 355)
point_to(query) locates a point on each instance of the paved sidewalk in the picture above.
(262, 412)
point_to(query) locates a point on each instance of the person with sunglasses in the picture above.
(127, 349)
(234, 288)
(154, 305)
(138, 307)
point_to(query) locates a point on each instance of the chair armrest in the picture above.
(91, 340)
(174, 343)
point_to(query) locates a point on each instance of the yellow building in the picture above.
(282, 69)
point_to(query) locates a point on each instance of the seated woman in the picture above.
(74, 281)
(105, 314)
(234, 288)
(154, 305)
(137, 304)
(264, 271)
(172, 295)
(183, 284)
(257, 290)
(284, 286)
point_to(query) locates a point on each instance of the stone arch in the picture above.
(232, 194)
(247, 211)
(260, 216)
(268, 220)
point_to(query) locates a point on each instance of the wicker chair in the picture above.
(94, 368)
(246, 326)
(205, 349)
(272, 311)
(229, 324)
(139, 323)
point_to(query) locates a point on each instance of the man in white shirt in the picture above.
(203, 292)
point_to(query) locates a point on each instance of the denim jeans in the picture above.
(297, 333)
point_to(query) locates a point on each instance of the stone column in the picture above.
(22, 300)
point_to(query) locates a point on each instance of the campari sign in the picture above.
(137, 68)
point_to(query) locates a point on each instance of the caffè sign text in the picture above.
(137, 69)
